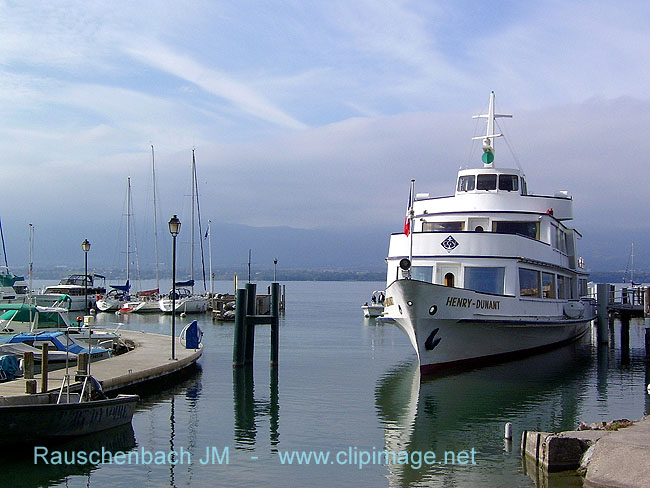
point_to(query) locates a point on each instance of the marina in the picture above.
(377, 400)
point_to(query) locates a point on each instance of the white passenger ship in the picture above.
(489, 273)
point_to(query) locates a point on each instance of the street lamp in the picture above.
(85, 245)
(174, 229)
(275, 269)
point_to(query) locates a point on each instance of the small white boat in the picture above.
(77, 287)
(13, 288)
(376, 306)
(21, 317)
(59, 347)
(185, 301)
(143, 302)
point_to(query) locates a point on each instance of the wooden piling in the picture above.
(249, 349)
(275, 323)
(239, 343)
(30, 387)
(647, 342)
(28, 365)
(646, 302)
(44, 368)
(625, 338)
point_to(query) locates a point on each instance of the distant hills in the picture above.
(303, 254)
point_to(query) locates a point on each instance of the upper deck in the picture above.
(493, 190)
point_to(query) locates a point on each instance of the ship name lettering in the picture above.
(488, 304)
(459, 302)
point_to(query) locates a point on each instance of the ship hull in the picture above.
(451, 327)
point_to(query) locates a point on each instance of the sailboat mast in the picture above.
(31, 259)
(128, 227)
(192, 221)
(210, 256)
(155, 216)
(4, 249)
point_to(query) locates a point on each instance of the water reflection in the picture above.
(18, 468)
(465, 411)
(248, 410)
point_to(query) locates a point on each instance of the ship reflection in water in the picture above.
(466, 412)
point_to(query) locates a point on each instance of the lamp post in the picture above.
(174, 229)
(275, 269)
(85, 245)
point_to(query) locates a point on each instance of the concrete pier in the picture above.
(605, 458)
(149, 360)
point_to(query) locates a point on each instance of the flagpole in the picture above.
(411, 228)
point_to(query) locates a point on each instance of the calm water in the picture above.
(346, 385)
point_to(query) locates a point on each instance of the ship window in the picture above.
(508, 182)
(528, 229)
(466, 183)
(562, 289)
(524, 189)
(486, 182)
(528, 282)
(422, 273)
(488, 280)
(582, 288)
(548, 285)
(442, 226)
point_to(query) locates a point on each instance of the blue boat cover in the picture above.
(185, 283)
(9, 365)
(124, 288)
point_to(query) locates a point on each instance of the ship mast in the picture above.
(488, 138)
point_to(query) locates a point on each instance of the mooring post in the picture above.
(239, 342)
(44, 368)
(602, 297)
(251, 297)
(646, 302)
(647, 342)
(28, 367)
(275, 323)
(625, 337)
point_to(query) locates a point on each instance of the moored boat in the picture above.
(185, 301)
(81, 290)
(488, 273)
(59, 346)
(42, 418)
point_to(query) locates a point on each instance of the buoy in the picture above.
(508, 431)
(183, 314)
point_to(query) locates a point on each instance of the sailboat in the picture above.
(186, 300)
(119, 294)
(13, 288)
(147, 301)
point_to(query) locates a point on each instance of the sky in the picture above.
(313, 114)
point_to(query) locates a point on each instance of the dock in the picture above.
(149, 360)
(618, 458)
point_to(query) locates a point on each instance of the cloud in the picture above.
(213, 82)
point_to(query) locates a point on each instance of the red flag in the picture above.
(407, 219)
